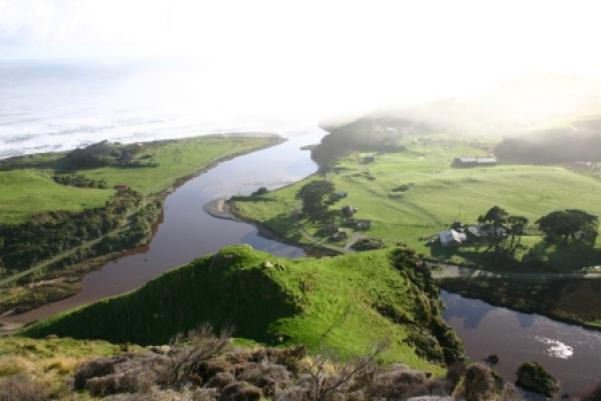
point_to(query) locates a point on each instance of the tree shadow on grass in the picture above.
(564, 257)
(475, 256)
(284, 225)
(252, 199)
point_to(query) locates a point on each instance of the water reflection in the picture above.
(571, 353)
(469, 313)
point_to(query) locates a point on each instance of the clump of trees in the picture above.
(104, 153)
(315, 197)
(569, 225)
(503, 231)
(364, 135)
(80, 180)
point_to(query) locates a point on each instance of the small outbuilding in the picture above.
(363, 224)
(451, 238)
(474, 230)
(474, 162)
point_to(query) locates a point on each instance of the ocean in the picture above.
(60, 105)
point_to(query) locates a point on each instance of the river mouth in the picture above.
(187, 231)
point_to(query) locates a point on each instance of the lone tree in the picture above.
(573, 224)
(517, 228)
(314, 196)
(495, 220)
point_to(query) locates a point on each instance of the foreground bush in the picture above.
(532, 376)
(200, 366)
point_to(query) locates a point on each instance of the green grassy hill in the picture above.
(416, 193)
(27, 187)
(344, 303)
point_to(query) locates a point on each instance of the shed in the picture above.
(451, 238)
(474, 162)
(363, 224)
(474, 230)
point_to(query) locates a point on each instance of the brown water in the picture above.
(188, 232)
(570, 353)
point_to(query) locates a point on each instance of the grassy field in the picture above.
(26, 192)
(344, 303)
(439, 195)
(176, 159)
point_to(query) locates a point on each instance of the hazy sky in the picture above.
(355, 53)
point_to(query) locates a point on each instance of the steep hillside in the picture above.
(345, 303)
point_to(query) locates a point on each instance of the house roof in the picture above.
(451, 236)
(470, 159)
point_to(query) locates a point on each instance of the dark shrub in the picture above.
(241, 391)
(532, 376)
(260, 191)
(492, 359)
(270, 378)
(96, 368)
(366, 244)
(221, 379)
(480, 383)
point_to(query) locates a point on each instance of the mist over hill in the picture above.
(529, 102)
(574, 142)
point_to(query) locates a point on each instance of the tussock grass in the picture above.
(50, 362)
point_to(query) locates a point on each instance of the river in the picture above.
(187, 231)
(571, 353)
